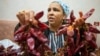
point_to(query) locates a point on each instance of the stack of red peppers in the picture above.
(31, 38)
(85, 38)
(9, 51)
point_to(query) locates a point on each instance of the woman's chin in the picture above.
(51, 23)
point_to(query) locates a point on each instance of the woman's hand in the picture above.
(21, 17)
(26, 17)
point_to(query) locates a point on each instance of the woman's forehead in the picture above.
(55, 4)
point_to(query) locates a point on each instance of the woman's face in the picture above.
(55, 14)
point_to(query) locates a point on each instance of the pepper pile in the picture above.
(31, 38)
(9, 51)
(81, 39)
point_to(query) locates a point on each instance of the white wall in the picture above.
(9, 8)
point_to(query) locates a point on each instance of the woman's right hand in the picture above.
(26, 16)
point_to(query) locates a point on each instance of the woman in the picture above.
(57, 12)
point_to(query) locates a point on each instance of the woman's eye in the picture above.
(55, 9)
(49, 9)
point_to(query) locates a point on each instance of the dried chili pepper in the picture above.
(89, 38)
(31, 43)
(88, 14)
(21, 29)
(38, 34)
(93, 29)
(72, 17)
(39, 15)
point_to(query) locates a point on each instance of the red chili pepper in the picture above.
(84, 51)
(71, 45)
(39, 15)
(18, 37)
(62, 31)
(72, 17)
(1, 47)
(42, 26)
(92, 44)
(42, 37)
(39, 35)
(21, 29)
(89, 38)
(9, 48)
(69, 52)
(94, 30)
(80, 45)
(31, 43)
(88, 14)
(36, 53)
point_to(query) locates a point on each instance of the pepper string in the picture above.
(30, 37)
(84, 34)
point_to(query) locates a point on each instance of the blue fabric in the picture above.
(64, 6)
(55, 41)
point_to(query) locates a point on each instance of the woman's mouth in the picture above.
(51, 18)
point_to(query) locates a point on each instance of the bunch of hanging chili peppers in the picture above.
(9, 51)
(81, 39)
(31, 38)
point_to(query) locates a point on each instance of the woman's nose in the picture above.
(51, 12)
